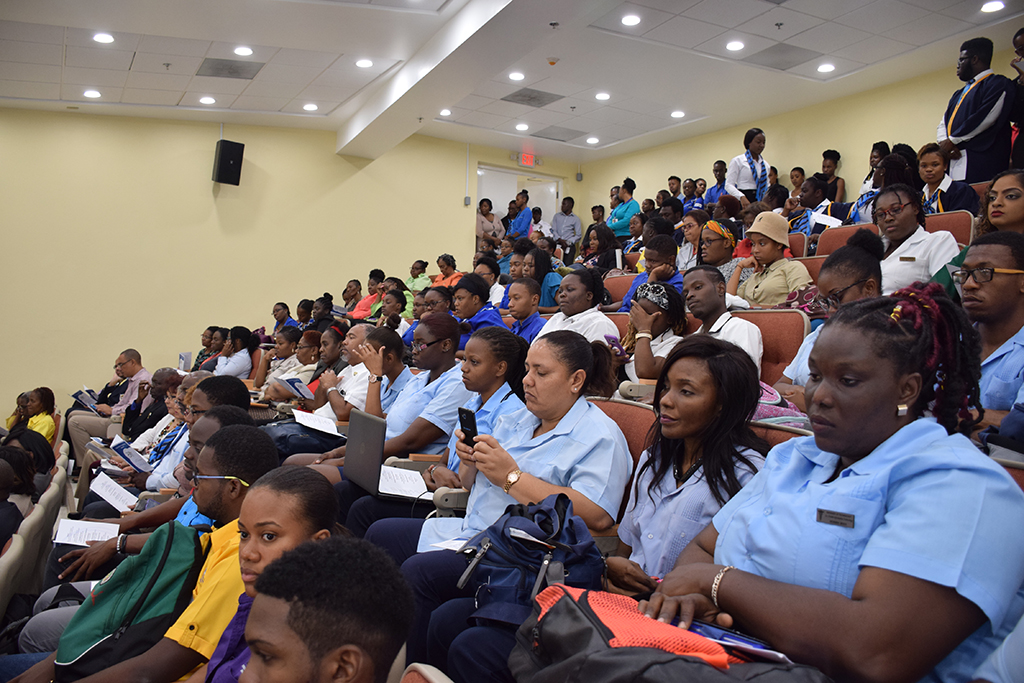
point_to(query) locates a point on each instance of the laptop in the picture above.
(364, 461)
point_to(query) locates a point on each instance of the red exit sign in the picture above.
(527, 160)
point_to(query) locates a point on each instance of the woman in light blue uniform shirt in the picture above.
(559, 443)
(880, 548)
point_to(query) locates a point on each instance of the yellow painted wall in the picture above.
(903, 112)
(114, 236)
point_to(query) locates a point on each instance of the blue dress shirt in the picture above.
(676, 281)
(1002, 375)
(528, 329)
(487, 316)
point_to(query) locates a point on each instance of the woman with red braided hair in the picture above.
(876, 549)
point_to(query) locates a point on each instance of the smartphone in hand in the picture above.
(467, 423)
(616, 347)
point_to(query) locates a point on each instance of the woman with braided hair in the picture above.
(875, 550)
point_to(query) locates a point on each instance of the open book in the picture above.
(296, 386)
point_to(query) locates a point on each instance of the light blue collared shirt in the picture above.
(924, 503)
(389, 392)
(501, 402)
(1002, 375)
(798, 370)
(657, 530)
(437, 402)
(586, 451)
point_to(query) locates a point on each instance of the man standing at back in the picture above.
(568, 229)
(975, 128)
(718, 189)
(82, 425)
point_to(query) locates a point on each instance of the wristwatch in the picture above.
(334, 388)
(375, 378)
(512, 478)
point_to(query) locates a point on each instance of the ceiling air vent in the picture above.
(558, 133)
(532, 98)
(229, 68)
(781, 56)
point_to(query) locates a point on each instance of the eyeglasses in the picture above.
(192, 411)
(708, 242)
(422, 346)
(879, 216)
(981, 275)
(118, 366)
(436, 304)
(220, 476)
(835, 299)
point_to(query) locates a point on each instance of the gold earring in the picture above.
(901, 410)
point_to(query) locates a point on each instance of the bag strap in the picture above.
(154, 575)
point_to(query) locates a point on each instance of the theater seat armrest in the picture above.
(407, 464)
(448, 501)
(425, 457)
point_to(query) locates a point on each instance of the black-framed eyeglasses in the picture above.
(981, 275)
(118, 366)
(422, 346)
(708, 242)
(879, 215)
(192, 411)
(835, 299)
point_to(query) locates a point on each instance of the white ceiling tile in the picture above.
(934, 5)
(766, 25)
(321, 92)
(41, 73)
(260, 53)
(31, 33)
(482, 120)
(673, 6)
(538, 118)
(684, 32)
(290, 57)
(431, 5)
(183, 47)
(970, 10)
(872, 50)
(928, 29)
(95, 77)
(342, 78)
(810, 69)
(495, 90)
(558, 86)
(751, 45)
(83, 37)
(191, 99)
(31, 53)
(509, 126)
(474, 102)
(728, 13)
(93, 58)
(828, 37)
(649, 18)
(76, 93)
(347, 62)
(165, 98)
(138, 80)
(641, 106)
(280, 73)
(260, 103)
(210, 84)
(456, 113)
(825, 9)
(574, 106)
(502, 108)
(324, 107)
(606, 115)
(264, 89)
(30, 91)
(157, 63)
(882, 15)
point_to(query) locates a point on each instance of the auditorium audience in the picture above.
(941, 192)
(579, 308)
(836, 191)
(523, 305)
(727, 207)
(657, 322)
(218, 340)
(618, 221)
(472, 308)
(42, 454)
(279, 360)
(207, 351)
(449, 276)
(236, 358)
(747, 177)
(489, 230)
(912, 254)
(689, 250)
(34, 411)
(537, 266)
(660, 266)
(23, 488)
(567, 229)
(718, 240)
(10, 515)
(490, 271)
(392, 311)
(879, 151)
(350, 296)
(323, 307)
(635, 243)
(364, 308)
(304, 314)
(774, 276)
(701, 453)
(878, 549)
(797, 176)
(282, 316)
(307, 353)
(704, 291)
(605, 250)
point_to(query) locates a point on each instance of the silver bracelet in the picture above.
(122, 541)
(715, 584)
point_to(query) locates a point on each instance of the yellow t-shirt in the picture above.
(41, 423)
(215, 597)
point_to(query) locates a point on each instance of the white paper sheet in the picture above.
(396, 481)
(451, 544)
(77, 532)
(130, 455)
(317, 422)
(185, 361)
(107, 488)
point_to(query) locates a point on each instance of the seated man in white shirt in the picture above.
(488, 268)
(704, 291)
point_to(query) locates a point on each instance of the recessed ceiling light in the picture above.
(993, 6)
(92, 94)
(602, 96)
(243, 51)
(107, 38)
(516, 76)
(446, 112)
(522, 126)
(207, 100)
(678, 114)
(630, 20)
(364, 63)
(310, 107)
(592, 141)
(826, 68)
(734, 46)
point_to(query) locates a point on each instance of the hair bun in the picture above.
(868, 241)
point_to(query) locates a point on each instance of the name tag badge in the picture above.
(907, 259)
(835, 518)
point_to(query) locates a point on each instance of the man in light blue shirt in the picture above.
(567, 229)
(718, 189)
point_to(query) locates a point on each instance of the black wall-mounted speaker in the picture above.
(227, 162)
